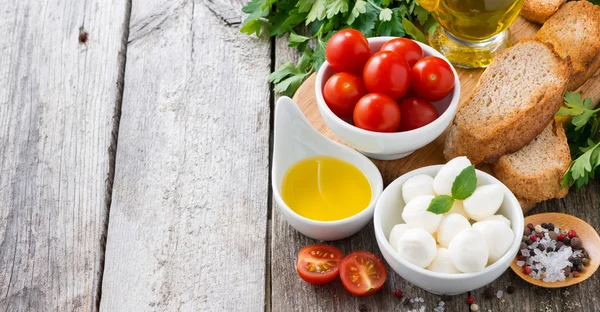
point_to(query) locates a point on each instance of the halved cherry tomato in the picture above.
(410, 50)
(348, 51)
(432, 78)
(362, 273)
(377, 112)
(341, 92)
(416, 113)
(319, 264)
(387, 72)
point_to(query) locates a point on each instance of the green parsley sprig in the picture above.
(310, 24)
(582, 135)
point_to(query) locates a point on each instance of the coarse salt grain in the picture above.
(520, 263)
(499, 294)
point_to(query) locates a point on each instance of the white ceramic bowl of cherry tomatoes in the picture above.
(385, 96)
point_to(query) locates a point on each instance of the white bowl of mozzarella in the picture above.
(461, 250)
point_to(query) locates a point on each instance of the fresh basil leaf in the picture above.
(465, 183)
(440, 204)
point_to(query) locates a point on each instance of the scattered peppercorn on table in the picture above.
(135, 154)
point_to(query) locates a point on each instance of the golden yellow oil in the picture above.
(476, 20)
(325, 189)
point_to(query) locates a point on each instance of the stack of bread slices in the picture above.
(508, 121)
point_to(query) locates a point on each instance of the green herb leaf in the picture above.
(422, 14)
(584, 167)
(305, 5)
(360, 7)
(431, 25)
(465, 183)
(318, 11)
(413, 31)
(296, 39)
(392, 27)
(365, 22)
(288, 78)
(581, 111)
(335, 7)
(319, 56)
(255, 9)
(440, 204)
(385, 15)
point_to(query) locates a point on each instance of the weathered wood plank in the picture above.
(188, 222)
(58, 100)
(290, 293)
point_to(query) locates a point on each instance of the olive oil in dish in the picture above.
(324, 188)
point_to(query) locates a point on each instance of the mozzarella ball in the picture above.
(441, 263)
(397, 232)
(498, 217)
(417, 186)
(417, 246)
(457, 207)
(451, 225)
(484, 202)
(442, 183)
(469, 251)
(498, 236)
(415, 213)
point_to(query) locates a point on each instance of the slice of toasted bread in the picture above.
(535, 173)
(526, 204)
(574, 31)
(538, 11)
(515, 99)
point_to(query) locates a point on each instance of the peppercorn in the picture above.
(550, 227)
(549, 249)
(579, 268)
(553, 235)
(398, 293)
(528, 242)
(576, 243)
(561, 237)
(559, 245)
(533, 238)
(510, 289)
(362, 307)
(526, 231)
(521, 258)
(585, 261)
(530, 226)
(470, 300)
(523, 246)
(474, 308)
(567, 271)
(540, 235)
(545, 225)
(572, 233)
(540, 247)
(578, 262)
(527, 270)
(571, 259)
(538, 228)
(575, 273)
(567, 241)
(490, 292)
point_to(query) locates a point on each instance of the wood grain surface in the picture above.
(289, 293)
(188, 221)
(60, 69)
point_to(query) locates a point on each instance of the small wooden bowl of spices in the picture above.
(557, 250)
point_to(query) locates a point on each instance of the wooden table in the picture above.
(135, 142)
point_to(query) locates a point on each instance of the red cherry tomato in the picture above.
(377, 112)
(432, 78)
(410, 50)
(347, 51)
(341, 92)
(319, 264)
(388, 73)
(362, 273)
(416, 113)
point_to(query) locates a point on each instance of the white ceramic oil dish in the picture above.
(388, 212)
(295, 140)
(387, 146)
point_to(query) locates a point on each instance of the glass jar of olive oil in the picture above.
(472, 32)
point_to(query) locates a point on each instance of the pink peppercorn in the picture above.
(572, 233)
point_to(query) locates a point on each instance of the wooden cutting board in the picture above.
(432, 153)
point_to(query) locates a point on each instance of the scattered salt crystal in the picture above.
(421, 300)
(520, 263)
(422, 309)
(534, 245)
(412, 300)
(440, 307)
(525, 252)
(499, 294)
(537, 251)
(441, 304)
(556, 229)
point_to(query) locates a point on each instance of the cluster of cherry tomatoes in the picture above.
(388, 91)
